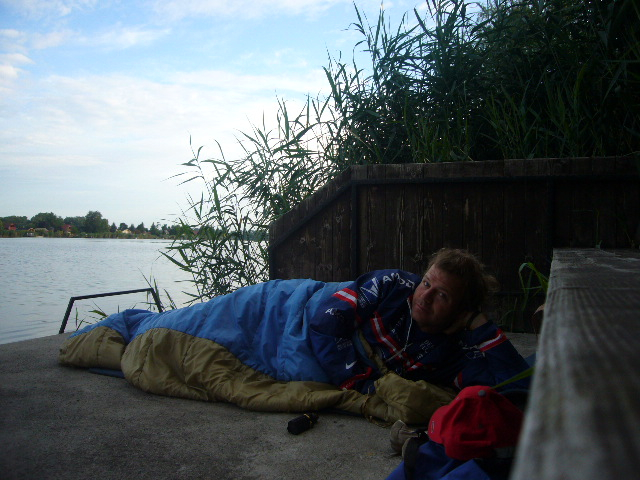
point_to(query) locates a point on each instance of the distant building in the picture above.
(12, 226)
(66, 228)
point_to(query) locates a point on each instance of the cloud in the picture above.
(9, 66)
(118, 136)
(8, 73)
(307, 82)
(42, 41)
(121, 138)
(177, 9)
(12, 40)
(121, 38)
(14, 59)
(10, 70)
(39, 9)
(117, 37)
(10, 34)
(91, 118)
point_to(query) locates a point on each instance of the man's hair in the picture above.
(478, 284)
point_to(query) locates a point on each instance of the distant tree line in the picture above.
(92, 224)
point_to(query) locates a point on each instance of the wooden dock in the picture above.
(583, 417)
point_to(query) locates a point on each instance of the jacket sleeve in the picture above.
(334, 325)
(492, 359)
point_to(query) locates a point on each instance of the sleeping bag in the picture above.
(293, 346)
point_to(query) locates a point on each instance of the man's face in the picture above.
(435, 304)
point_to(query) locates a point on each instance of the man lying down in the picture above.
(389, 345)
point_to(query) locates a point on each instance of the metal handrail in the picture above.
(154, 294)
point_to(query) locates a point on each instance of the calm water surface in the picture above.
(39, 275)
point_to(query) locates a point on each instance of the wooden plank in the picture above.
(563, 215)
(603, 166)
(627, 200)
(543, 166)
(396, 171)
(580, 166)
(535, 210)
(320, 244)
(453, 215)
(432, 170)
(275, 230)
(298, 254)
(491, 245)
(473, 233)
(342, 179)
(395, 215)
(584, 213)
(341, 233)
(628, 216)
(604, 201)
(413, 170)
(583, 415)
(283, 266)
(325, 246)
(515, 230)
(433, 227)
(372, 199)
(513, 168)
(358, 172)
(307, 250)
(453, 169)
(415, 255)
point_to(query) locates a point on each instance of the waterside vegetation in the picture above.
(92, 225)
(465, 82)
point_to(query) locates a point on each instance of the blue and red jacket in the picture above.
(307, 330)
(378, 304)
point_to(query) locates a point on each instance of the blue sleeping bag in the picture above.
(265, 325)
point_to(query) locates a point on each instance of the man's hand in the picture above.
(461, 322)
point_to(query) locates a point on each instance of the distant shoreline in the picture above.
(93, 237)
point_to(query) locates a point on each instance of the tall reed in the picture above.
(465, 82)
(223, 234)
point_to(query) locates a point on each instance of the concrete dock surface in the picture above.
(65, 423)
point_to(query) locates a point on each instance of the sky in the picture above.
(101, 101)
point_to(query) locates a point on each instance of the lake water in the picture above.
(39, 275)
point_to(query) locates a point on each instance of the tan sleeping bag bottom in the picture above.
(168, 362)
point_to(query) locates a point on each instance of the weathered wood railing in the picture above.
(506, 211)
(583, 417)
